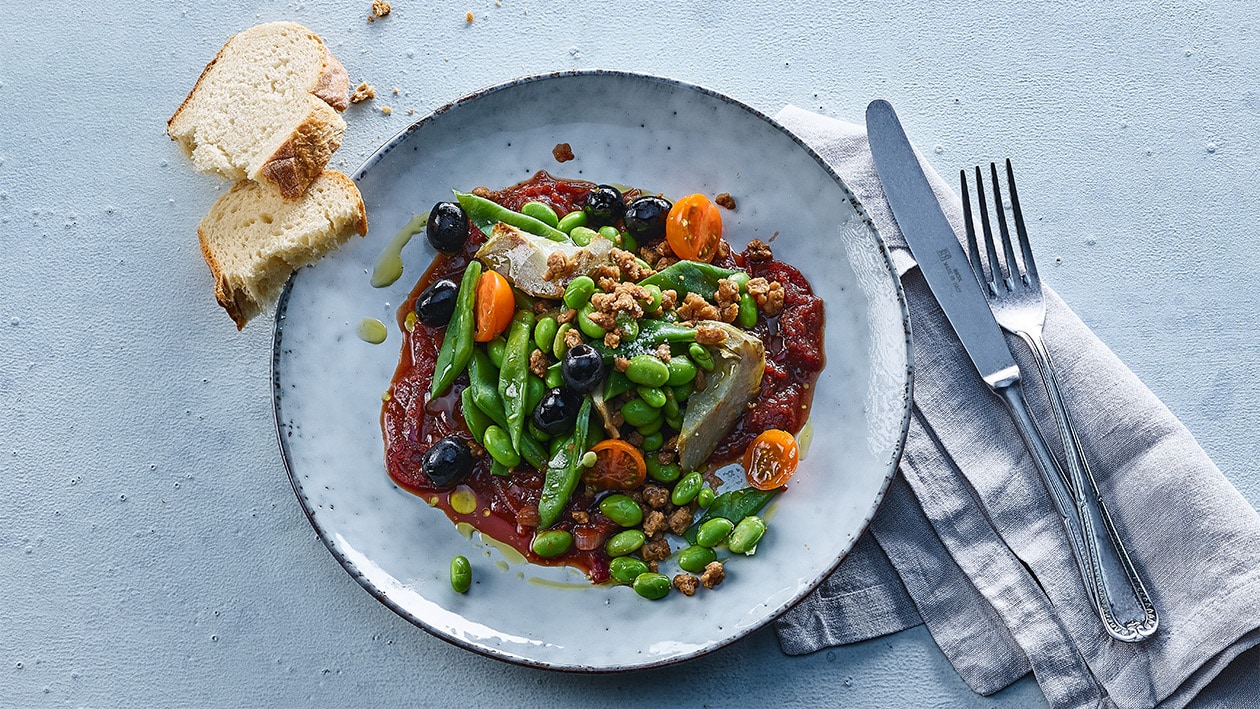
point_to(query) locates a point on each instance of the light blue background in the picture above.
(151, 549)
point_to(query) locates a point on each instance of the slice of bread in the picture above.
(266, 108)
(253, 238)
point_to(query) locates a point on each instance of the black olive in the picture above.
(604, 206)
(436, 304)
(645, 218)
(448, 461)
(583, 369)
(447, 229)
(557, 412)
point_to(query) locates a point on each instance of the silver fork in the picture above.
(1013, 289)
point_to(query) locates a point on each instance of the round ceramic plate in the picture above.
(663, 136)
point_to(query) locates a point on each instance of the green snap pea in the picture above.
(571, 220)
(653, 427)
(495, 349)
(610, 233)
(625, 542)
(542, 212)
(714, 532)
(535, 390)
(701, 356)
(582, 235)
(621, 509)
(485, 214)
(662, 472)
(457, 343)
(686, 489)
(483, 380)
(653, 442)
(514, 374)
(733, 506)
(652, 586)
(647, 369)
(588, 327)
(537, 435)
(533, 451)
(705, 497)
(689, 277)
(636, 412)
(558, 348)
(616, 385)
(653, 396)
(461, 574)
(747, 315)
(499, 445)
(545, 333)
(555, 377)
(476, 419)
(626, 568)
(579, 291)
(681, 370)
(695, 558)
(747, 533)
(564, 470)
(552, 543)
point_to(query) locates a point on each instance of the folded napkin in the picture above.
(966, 540)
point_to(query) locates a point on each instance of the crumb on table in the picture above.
(563, 152)
(725, 200)
(468, 17)
(380, 8)
(362, 92)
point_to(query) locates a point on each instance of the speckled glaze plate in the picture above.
(664, 136)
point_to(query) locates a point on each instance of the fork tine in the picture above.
(1008, 248)
(989, 247)
(1025, 248)
(973, 249)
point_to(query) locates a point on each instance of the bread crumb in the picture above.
(468, 17)
(713, 574)
(380, 8)
(725, 200)
(563, 152)
(686, 583)
(411, 111)
(396, 91)
(386, 110)
(363, 92)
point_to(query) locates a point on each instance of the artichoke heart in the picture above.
(734, 381)
(522, 258)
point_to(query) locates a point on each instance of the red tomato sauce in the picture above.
(506, 508)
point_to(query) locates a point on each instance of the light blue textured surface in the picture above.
(151, 549)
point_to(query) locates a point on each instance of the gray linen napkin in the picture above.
(965, 541)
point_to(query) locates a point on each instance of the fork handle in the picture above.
(1126, 609)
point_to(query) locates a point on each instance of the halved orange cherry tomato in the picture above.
(618, 466)
(495, 306)
(694, 228)
(771, 459)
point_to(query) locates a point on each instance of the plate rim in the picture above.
(891, 465)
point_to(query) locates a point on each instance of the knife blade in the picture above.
(936, 248)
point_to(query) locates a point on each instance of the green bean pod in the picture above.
(457, 344)
(564, 470)
(733, 506)
(483, 381)
(689, 277)
(495, 349)
(476, 419)
(747, 316)
(485, 214)
(514, 375)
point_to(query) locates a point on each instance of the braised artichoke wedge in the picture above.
(734, 381)
(523, 259)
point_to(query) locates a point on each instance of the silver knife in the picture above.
(944, 265)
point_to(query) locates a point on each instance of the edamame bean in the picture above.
(636, 412)
(648, 370)
(695, 558)
(570, 220)
(651, 427)
(701, 356)
(588, 327)
(589, 459)
(554, 378)
(662, 472)
(582, 235)
(674, 422)
(652, 586)
(495, 348)
(747, 533)
(551, 543)
(653, 442)
(628, 326)
(579, 291)
(705, 497)
(628, 243)
(747, 315)
(740, 278)
(714, 532)
(681, 370)
(687, 488)
(545, 333)
(654, 298)
(626, 568)
(535, 390)
(497, 468)
(539, 435)
(653, 396)
(621, 509)
(542, 212)
(682, 393)
(558, 348)
(609, 232)
(671, 409)
(499, 445)
(625, 542)
(461, 574)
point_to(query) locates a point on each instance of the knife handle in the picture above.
(1128, 615)
(1079, 523)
